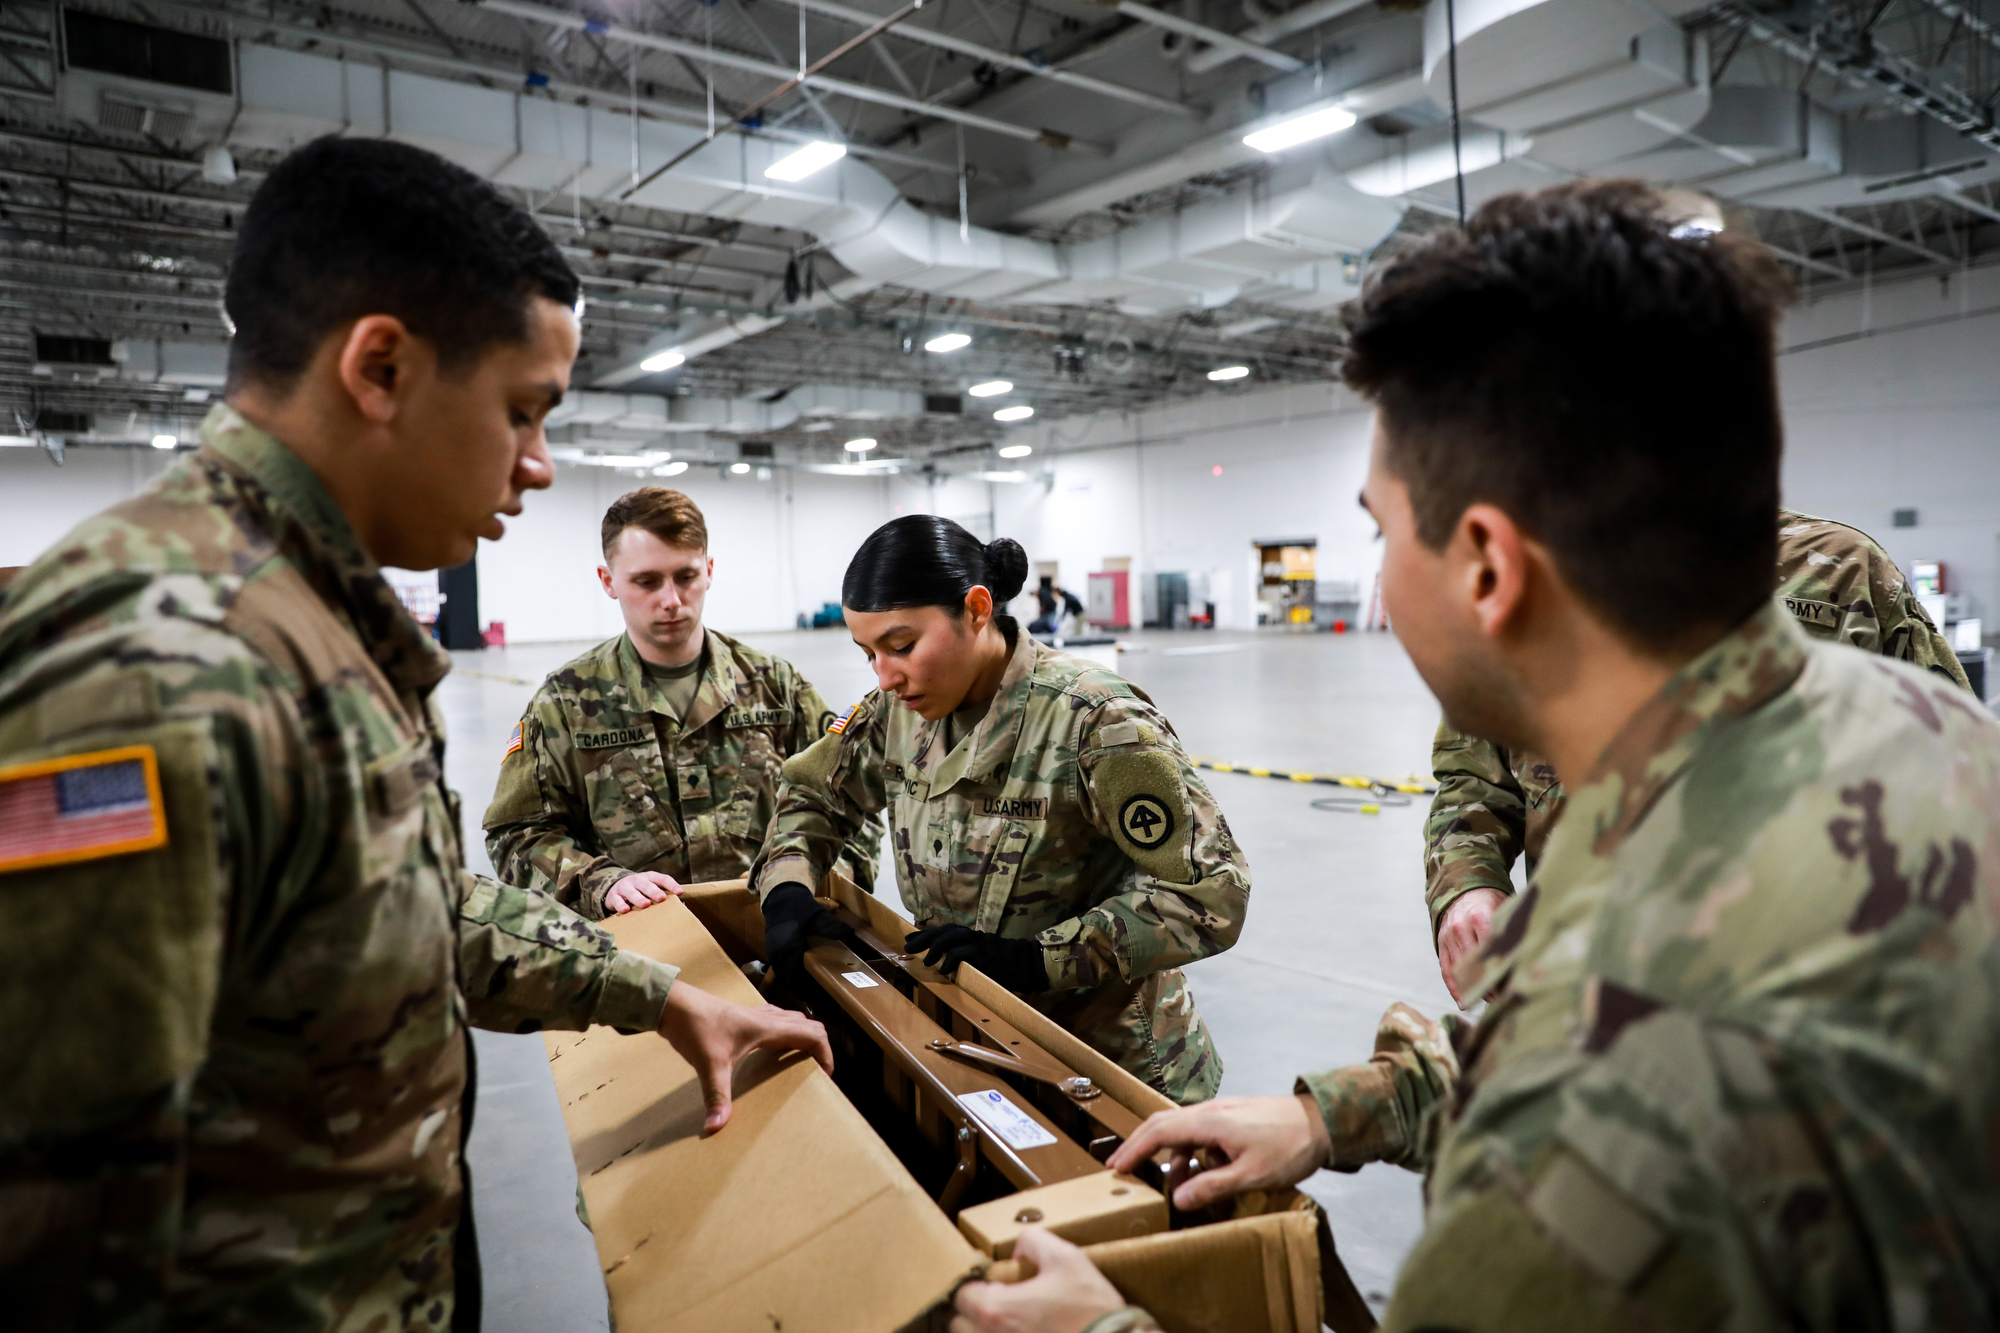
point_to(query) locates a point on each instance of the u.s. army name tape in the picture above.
(1416, 786)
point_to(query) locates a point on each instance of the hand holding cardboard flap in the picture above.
(713, 1035)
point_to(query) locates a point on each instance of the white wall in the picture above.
(39, 501)
(1144, 485)
(1892, 401)
(780, 547)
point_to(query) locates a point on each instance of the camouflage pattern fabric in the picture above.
(1492, 806)
(237, 1064)
(1070, 814)
(606, 781)
(1735, 1068)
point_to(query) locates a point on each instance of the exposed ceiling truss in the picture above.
(978, 112)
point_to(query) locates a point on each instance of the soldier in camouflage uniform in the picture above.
(607, 774)
(241, 946)
(1492, 805)
(1735, 1070)
(1065, 820)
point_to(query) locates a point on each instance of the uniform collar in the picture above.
(310, 530)
(719, 687)
(1740, 673)
(991, 744)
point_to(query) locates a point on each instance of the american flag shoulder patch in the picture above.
(81, 807)
(513, 740)
(840, 725)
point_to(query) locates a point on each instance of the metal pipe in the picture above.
(860, 92)
(1270, 30)
(992, 56)
(806, 71)
(1876, 234)
(1215, 37)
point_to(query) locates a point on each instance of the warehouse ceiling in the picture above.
(1063, 183)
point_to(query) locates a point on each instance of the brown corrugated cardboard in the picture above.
(795, 1215)
(1089, 1209)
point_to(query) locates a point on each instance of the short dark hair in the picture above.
(924, 560)
(1602, 370)
(345, 228)
(668, 515)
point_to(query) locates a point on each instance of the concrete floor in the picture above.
(1336, 930)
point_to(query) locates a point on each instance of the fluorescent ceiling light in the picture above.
(816, 156)
(1021, 413)
(739, 468)
(1017, 451)
(660, 361)
(1001, 476)
(670, 470)
(991, 388)
(165, 441)
(1229, 372)
(860, 446)
(1300, 129)
(948, 342)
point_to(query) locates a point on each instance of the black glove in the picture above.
(791, 917)
(1015, 964)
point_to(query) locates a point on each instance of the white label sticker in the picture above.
(860, 980)
(1007, 1120)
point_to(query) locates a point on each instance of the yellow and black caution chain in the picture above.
(1385, 791)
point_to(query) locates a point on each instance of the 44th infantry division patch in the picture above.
(81, 807)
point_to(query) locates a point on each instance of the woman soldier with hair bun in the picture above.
(1047, 827)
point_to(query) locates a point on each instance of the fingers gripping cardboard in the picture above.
(795, 1215)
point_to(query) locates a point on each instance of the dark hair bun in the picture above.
(1006, 570)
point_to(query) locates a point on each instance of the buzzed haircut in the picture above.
(668, 515)
(1603, 372)
(345, 228)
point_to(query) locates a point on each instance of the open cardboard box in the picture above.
(799, 1216)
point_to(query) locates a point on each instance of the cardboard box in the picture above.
(798, 1216)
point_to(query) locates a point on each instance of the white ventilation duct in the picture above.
(1204, 257)
(1588, 81)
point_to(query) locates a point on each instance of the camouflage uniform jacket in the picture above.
(1069, 814)
(600, 780)
(236, 1051)
(1492, 805)
(1736, 1066)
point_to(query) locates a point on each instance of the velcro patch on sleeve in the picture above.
(81, 807)
(611, 740)
(1142, 796)
(754, 717)
(1813, 614)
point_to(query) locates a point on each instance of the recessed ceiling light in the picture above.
(815, 156)
(948, 342)
(670, 470)
(165, 441)
(1001, 476)
(739, 469)
(860, 446)
(1300, 129)
(1017, 451)
(1021, 413)
(660, 361)
(1229, 372)
(991, 388)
